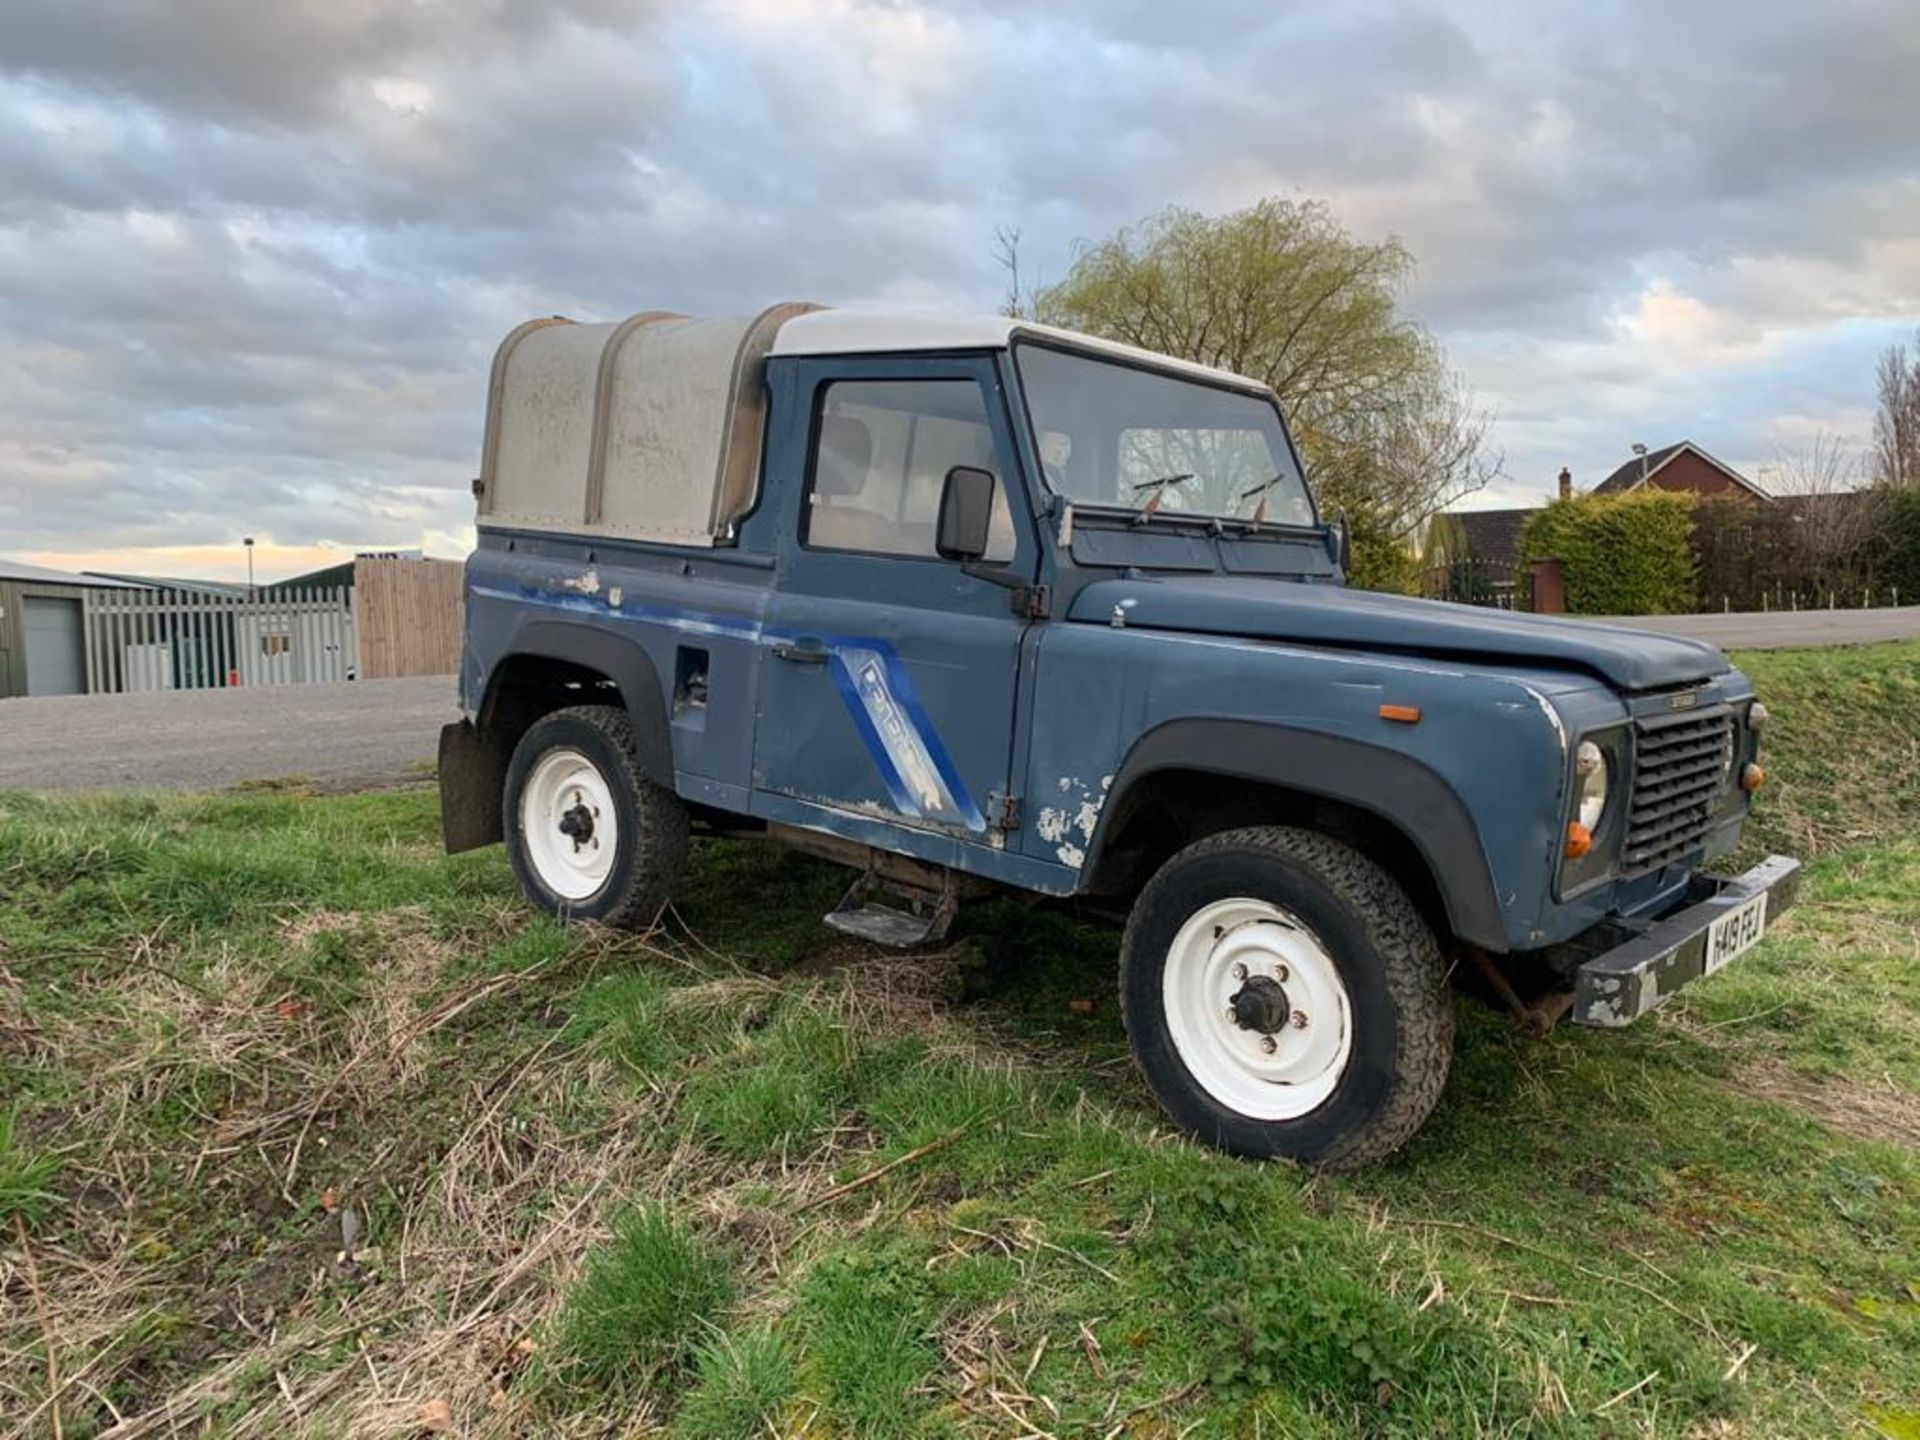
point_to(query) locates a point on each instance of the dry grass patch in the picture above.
(1879, 1111)
(347, 1167)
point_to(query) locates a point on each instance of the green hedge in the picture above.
(1381, 560)
(1628, 554)
(1902, 570)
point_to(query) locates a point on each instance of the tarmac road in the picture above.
(1787, 629)
(360, 735)
(376, 732)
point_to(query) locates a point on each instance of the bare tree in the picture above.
(1837, 519)
(1018, 302)
(1896, 424)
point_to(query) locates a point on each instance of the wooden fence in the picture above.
(160, 639)
(409, 614)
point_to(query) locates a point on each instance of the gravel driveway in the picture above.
(345, 736)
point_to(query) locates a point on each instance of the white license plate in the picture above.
(1735, 933)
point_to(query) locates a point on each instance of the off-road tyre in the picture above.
(1401, 1011)
(652, 826)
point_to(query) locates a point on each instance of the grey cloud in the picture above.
(248, 63)
(253, 257)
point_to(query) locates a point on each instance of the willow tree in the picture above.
(1281, 291)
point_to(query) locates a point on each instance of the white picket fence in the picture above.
(158, 639)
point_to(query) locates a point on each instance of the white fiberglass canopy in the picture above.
(650, 428)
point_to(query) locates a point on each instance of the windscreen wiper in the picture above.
(1159, 488)
(1260, 513)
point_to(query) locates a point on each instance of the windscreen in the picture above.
(1118, 436)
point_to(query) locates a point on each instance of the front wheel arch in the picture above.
(1197, 777)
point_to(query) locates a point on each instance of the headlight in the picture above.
(1590, 785)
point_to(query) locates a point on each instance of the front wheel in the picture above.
(1284, 998)
(590, 837)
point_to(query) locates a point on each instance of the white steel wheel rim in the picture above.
(1281, 1075)
(563, 787)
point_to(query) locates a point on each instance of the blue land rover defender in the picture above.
(971, 604)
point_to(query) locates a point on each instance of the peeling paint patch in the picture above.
(587, 584)
(1069, 827)
(1553, 715)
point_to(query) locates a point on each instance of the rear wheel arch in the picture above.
(1188, 779)
(549, 667)
(544, 668)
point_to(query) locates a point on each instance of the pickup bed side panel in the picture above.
(678, 634)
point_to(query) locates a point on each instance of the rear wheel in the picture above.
(1284, 998)
(590, 837)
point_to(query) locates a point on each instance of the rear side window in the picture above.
(882, 449)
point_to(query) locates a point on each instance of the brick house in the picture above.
(1475, 555)
(1681, 467)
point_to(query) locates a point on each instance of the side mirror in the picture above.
(1340, 542)
(966, 514)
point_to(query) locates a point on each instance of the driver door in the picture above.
(889, 675)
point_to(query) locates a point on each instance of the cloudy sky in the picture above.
(254, 257)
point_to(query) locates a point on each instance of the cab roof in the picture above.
(871, 332)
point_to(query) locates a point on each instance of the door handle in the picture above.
(806, 652)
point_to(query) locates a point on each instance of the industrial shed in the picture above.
(43, 645)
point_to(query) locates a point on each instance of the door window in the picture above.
(882, 450)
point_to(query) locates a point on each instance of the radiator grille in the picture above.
(1679, 764)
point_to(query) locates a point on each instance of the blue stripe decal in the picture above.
(936, 752)
(848, 685)
(920, 777)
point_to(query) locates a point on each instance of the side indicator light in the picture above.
(1403, 714)
(1579, 840)
(1752, 778)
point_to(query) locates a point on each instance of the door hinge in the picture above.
(1034, 602)
(1003, 811)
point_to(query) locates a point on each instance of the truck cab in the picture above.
(968, 604)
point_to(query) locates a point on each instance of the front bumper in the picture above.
(1619, 986)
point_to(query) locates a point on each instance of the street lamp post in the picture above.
(248, 542)
(1638, 449)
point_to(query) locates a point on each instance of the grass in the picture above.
(745, 1386)
(26, 1180)
(313, 1131)
(640, 1304)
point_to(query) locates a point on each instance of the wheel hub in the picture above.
(1261, 1005)
(577, 824)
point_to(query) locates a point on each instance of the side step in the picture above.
(898, 916)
